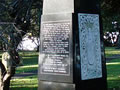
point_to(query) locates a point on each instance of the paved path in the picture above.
(25, 74)
(113, 57)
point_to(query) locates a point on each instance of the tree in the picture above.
(23, 15)
(110, 13)
(110, 7)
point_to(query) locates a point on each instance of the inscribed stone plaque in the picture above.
(55, 46)
(56, 57)
(90, 49)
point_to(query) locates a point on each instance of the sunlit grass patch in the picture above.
(110, 51)
(113, 73)
(28, 53)
(114, 63)
(25, 83)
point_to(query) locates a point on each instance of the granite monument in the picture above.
(71, 48)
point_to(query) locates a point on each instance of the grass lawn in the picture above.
(113, 73)
(30, 63)
(25, 83)
(113, 68)
(110, 51)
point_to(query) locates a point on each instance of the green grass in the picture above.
(110, 51)
(113, 73)
(30, 63)
(113, 68)
(26, 83)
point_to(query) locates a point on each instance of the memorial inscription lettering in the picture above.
(55, 47)
(90, 50)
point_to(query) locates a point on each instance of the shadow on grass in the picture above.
(30, 61)
(30, 55)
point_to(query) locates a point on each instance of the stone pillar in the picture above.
(71, 51)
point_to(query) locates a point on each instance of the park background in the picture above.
(23, 16)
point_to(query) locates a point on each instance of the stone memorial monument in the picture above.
(71, 51)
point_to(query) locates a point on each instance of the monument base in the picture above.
(44, 85)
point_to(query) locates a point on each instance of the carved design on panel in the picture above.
(90, 51)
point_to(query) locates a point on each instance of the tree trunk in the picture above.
(5, 82)
(8, 64)
(37, 48)
(118, 42)
(15, 37)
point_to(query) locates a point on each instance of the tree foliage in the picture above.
(111, 7)
(17, 17)
(110, 10)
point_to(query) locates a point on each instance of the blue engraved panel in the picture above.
(90, 49)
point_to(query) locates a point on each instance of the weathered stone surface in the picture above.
(55, 7)
(44, 85)
(56, 59)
